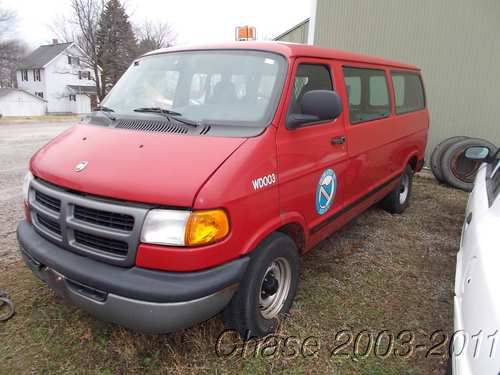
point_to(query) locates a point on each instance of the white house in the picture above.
(57, 73)
(15, 102)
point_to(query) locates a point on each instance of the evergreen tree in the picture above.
(116, 43)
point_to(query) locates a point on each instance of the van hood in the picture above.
(147, 167)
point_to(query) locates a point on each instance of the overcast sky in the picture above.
(195, 21)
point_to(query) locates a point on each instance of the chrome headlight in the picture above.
(165, 227)
(185, 228)
(26, 186)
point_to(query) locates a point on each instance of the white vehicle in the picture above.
(475, 344)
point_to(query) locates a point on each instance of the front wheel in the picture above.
(398, 200)
(267, 290)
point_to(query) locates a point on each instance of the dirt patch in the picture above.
(381, 276)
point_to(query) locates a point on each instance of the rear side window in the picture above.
(309, 77)
(368, 94)
(353, 85)
(408, 92)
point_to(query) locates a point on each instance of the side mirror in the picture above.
(316, 105)
(478, 153)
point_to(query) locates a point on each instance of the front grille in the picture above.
(103, 229)
(101, 243)
(104, 218)
(49, 224)
(50, 202)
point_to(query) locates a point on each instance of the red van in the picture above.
(208, 171)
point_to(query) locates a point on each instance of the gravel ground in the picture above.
(18, 142)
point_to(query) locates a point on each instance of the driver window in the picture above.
(309, 77)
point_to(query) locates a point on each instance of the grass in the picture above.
(30, 119)
(381, 272)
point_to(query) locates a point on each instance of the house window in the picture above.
(69, 60)
(72, 98)
(77, 61)
(24, 75)
(79, 74)
(36, 75)
(89, 76)
(40, 94)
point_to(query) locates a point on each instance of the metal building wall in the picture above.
(455, 43)
(297, 34)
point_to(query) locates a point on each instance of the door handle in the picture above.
(338, 140)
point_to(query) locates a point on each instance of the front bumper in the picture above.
(140, 299)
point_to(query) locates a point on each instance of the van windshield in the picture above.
(228, 87)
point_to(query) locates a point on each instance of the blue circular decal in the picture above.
(325, 192)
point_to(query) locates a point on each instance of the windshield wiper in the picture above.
(106, 110)
(157, 110)
(168, 114)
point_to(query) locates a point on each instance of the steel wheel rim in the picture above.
(270, 304)
(405, 186)
(462, 168)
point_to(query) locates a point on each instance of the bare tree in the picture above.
(155, 35)
(11, 49)
(81, 27)
(84, 28)
(87, 14)
(63, 29)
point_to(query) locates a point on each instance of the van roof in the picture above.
(292, 50)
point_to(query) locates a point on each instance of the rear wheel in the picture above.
(398, 200)
(267, 290)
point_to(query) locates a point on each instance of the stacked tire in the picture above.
(449, 164)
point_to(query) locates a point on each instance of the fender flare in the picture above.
(413, 154)
(272, 226)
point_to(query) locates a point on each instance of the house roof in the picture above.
(42, 55)
(77, 89)
(4, 91)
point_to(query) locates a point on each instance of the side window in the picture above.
(197, 92)
(408, 91)
(204, 87)
(240, 84)
(309, 77)
(353, 85)
(378, 91)
(157, 93)
(265, 88)
(368, 94)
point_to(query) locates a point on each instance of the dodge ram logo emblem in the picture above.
(81, 166)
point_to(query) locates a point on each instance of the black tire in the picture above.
(245, 313)
(437, 154)
(398, 200)
(458, 171)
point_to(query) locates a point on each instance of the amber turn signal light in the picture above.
(206, 227)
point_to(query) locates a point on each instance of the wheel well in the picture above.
(296, 233)
(413, 163)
